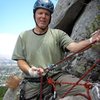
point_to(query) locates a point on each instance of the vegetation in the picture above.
(2, 92)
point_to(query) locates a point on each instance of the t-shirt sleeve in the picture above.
(18, 52)
(65, 40)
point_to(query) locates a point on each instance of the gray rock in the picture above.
(87, 23)
(65, 13)
(79, 18)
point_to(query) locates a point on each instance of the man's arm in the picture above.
(23, 66)
(74, 46)
(32, 71)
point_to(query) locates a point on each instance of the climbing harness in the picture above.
(40, 95)
(22, 90)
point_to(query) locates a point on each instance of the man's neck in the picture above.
(40, 31)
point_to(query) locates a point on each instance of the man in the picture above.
(40, 47)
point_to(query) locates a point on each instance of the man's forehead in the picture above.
(42, 9)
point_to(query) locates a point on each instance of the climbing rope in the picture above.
(53, 66)
(87, 85)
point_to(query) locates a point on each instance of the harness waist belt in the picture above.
(36, 79)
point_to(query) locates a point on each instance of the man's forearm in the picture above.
(23, 65)
(75, 47)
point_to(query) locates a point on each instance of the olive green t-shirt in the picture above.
(41, 50)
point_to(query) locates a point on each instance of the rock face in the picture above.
(65, 14)
(79, 18)
(88, 22)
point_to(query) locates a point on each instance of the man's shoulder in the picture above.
(56, 30)
(26, 32)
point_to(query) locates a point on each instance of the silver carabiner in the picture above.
(96, 91)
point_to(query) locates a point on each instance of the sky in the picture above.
(15, 16)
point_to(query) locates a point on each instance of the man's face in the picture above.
(42, 18)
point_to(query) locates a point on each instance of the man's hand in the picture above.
(35, 72)
(13, 82)
(95, 36)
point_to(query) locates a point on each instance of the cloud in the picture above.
(7, 43)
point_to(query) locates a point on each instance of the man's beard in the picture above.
(42, 27)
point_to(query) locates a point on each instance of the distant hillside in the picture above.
(7, 67)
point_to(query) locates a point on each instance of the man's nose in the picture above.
(43, 15)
